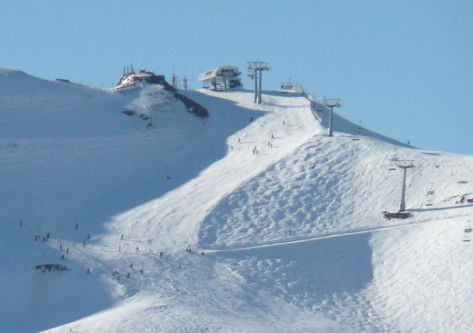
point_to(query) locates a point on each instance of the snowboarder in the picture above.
(88, 270)
(62, 256)
(121, 237)
(77, 226)
(88, 237)
(137, 249)
(67, 251)
(160, 254)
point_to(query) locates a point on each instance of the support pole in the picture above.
(255, 66)
(330, 122)
(404, 176)
(403, 195)
(260, 100)
(331, 106)
(256, 86)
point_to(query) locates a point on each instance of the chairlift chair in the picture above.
(394, 158)
(430, 196)
(358, 128)
(467, 233)
(468, 228)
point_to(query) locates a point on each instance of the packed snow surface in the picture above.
(251, 220)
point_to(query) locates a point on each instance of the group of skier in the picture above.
(116, 274)
(255, 149)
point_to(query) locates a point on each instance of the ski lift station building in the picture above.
(228, 76)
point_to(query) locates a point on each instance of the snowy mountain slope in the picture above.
(293, 236)
(345, 271)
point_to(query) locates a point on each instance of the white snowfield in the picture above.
(289, 220)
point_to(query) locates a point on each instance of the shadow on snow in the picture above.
(307, 273)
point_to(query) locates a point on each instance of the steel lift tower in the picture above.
(331, 103)
(404, 165)
(254, 67)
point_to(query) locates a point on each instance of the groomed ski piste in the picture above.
(250, 220)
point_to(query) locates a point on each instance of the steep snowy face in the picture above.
(70, 156)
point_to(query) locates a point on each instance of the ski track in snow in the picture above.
(293, 236)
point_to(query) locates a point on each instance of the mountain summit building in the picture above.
(222, 77)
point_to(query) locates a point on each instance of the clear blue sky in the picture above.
(404, 68)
